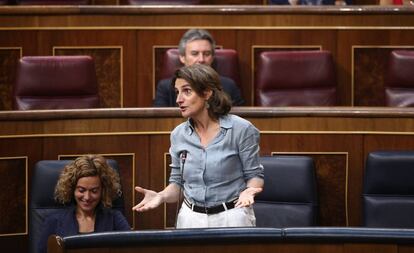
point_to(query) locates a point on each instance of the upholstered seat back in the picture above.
(226, 63)
(290, 196)
(55, 82)
(295, 78)
(53, 2)
(42, 203)
(388, 194)
(399, 82)
(163, 2)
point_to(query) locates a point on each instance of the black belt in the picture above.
(210, 210)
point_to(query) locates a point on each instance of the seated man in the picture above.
(195, 47)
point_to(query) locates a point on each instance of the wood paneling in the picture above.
(358, 37)
(13, 195)
(317, 245)
(370, 71)
(8, 62)
(140, 30)
(338, 138)
(371, 247)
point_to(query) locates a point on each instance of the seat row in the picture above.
(282, 78)
(46, 2)
(155, 2)
(86, 2)
(290, 198)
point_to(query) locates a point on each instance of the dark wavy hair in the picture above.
(87, 166)
(203, 78)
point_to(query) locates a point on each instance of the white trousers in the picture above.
(235, 217)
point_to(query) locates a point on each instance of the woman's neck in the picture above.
(86, 221)
(207, 129)
(204, 123)
(84, 215)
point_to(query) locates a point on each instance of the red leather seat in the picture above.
(399, 82)
(55, 82)
(295, 78)
(53, 2)
(163, 2)
(226, 63)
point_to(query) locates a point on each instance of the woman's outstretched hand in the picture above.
(151, 200)
(246, 197)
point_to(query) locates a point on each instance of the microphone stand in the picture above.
(183, 156)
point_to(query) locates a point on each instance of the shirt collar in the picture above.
(224, 121)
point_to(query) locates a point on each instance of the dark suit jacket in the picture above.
(64, 223)
(166, 97)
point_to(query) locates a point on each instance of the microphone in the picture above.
(183, 157)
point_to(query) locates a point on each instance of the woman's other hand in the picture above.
(151, 200)
(246, 197)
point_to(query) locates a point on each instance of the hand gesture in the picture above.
(246, 197)
(151, 200)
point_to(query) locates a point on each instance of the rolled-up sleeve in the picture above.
(175, 175)
(249, 153)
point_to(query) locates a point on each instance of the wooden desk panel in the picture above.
(339, 140)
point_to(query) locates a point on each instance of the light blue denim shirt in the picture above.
(219, 172)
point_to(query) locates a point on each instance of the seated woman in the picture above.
(88, 185)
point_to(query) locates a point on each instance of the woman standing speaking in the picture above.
(214, 157)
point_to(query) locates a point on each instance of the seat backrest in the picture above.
(289, 198)
(163, 2)
(226, 63)
(295, 78)
(56, 82)
(53, 2)
(399, 81)
(42, 203)
(388, 194)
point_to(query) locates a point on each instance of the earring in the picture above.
(207, 105)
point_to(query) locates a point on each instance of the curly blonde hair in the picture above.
(86, 166)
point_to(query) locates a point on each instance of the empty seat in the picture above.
(42, 203)
(388, 194)
(163, 2)
(55, 82)
(399, 82)
(295, 78)
(226, 63)
(53, 2)
(289, 198)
